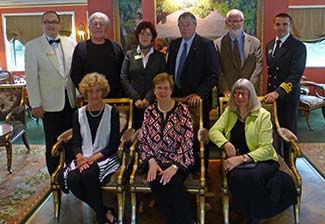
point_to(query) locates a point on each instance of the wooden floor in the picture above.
(312, 209)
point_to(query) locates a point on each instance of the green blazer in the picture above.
(258, 133)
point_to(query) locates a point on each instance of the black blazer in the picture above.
(286, 68)
(137, 80)
(201, 68)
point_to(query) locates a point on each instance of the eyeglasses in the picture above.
(235, 21)
(185, 25)
(241, 93)
(47, 22)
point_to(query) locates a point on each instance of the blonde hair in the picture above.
(162, 77)
(92, 79)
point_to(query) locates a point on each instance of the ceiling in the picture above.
(11, 3)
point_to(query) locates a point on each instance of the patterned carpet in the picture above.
(26, 187)
(315, 154)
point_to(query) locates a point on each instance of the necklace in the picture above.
(95, 115)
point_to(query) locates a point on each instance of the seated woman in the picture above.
(94, 142)
(166, 146)
(244, 131)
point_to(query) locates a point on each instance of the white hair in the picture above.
(237, 11)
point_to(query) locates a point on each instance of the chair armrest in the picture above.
(126, 137)
(203, 135)
(135, 160)
(286, 134)
(15, 114)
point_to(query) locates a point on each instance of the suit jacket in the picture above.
(45, 84)
(251, 68)
(137, 80)
(286, 68)
(200, 70)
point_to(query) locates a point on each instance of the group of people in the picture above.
(55, 66)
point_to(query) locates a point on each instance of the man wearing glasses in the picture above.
(51, 92)
(240, 55)
(193, 62)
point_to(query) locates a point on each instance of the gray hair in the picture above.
(253, 103)
(187, 14)
(98, 15)
(237, 11)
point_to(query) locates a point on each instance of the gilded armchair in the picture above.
(279, 134)
(309, 102)
(193, 184)
(118, 180)
(12, 112)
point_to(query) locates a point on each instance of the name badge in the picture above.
(270, 51)
(137, 57)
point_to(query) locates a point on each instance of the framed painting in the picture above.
(210, 14)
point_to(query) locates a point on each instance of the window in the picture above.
(315, 54)
(21, 28)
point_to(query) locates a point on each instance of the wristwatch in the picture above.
(175, 167)
(245, 159)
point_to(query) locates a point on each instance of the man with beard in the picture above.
(240, 55)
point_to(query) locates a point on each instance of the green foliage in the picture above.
(130, 11)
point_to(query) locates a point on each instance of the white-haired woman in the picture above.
(244, 131)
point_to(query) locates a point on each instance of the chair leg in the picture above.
(26, 141)
(225, 204)
(57, 203)
(202, 209)
(133, 207)
(296, 210)
(307, 113)
(120, 203)
(9, 156)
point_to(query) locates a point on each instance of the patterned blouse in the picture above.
(169, 141)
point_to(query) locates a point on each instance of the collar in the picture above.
(138, 50)
(189, 41)
(283, 39)
(241, 35)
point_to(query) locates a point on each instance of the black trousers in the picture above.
(172, 199)
(86, 186)
(54, 124)
(262, 191)
(288, 116)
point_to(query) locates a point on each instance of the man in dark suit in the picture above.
(193, 62)
(286, 60)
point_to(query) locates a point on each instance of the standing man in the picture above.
(99, 55)
(286, 60)
(51, 92)
(193, 62)
(240, 55)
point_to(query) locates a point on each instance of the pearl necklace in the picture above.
(95, 115)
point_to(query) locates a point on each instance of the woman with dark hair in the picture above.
(139, 67)
(244, 131)
(94, 142)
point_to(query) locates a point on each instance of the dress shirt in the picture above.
(59, 54)
(144, 58)
(240, 40)
(180, 50)
(283, 39)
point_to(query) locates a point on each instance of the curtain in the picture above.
(309, 23)
(27, 27)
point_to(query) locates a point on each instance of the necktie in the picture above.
(54, 41)
(180, 65)
(236, 53)
(278, 42)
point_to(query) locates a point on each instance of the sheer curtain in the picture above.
(27, 27)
